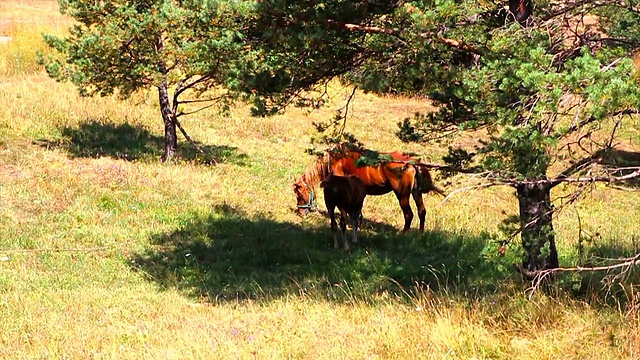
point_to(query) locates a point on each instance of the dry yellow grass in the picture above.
(60, 197)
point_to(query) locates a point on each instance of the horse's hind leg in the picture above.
(422, 211)
(406, 210)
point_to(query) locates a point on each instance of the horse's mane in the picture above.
(316, 171)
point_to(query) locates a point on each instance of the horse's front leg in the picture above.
(406, 210)
(355, 221)
(343, 229)
(334, 226)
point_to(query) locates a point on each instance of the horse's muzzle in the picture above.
(303, 211)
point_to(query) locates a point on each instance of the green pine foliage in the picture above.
(117, 46)
(524, 89)
(185, 49)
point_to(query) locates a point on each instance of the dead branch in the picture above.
(440, 167)
(180, 88)
(540, 276)
(346, 109)
(465, 189)
(458, 44)
(497, 180)
(586, 179)
(592, 4)
(622, 188)
(190, 101)
(181, 113)
(186, 136)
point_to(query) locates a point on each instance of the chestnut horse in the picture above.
(401, 174)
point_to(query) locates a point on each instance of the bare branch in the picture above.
(186, 136)
(346, 109)
(190, 101)
(440, 167)
(194, 111)
(458, 44)
(182, 88)
(465, 189)
(622, 188)
(540, 276)
(560, 180)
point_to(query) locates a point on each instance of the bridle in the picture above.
(311, 205)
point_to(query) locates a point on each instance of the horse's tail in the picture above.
(424, 181)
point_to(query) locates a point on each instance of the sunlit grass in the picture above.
(107, 253)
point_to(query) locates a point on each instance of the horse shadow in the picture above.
(366, 224)
(97, 138)
(229, 255)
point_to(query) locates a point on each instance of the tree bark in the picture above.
(168, 113)
(169, 119)
(536, 222)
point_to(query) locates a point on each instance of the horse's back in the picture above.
(344, 191)
(378, 179)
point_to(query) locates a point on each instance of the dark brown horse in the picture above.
(347, 193)
(400, 173)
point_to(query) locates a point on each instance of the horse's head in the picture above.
(305, 197)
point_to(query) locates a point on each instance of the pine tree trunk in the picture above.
(168, 113)
(169, 119)
(536, 221)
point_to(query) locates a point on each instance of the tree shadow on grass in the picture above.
(229, 255)
(94, 139)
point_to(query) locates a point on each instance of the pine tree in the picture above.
(529, 79)
(122, 46)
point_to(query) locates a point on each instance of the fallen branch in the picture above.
(608, 179)
(540, 276)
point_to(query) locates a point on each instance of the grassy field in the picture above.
(106, 253)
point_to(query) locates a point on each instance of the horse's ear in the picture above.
(323, 183)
